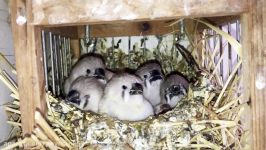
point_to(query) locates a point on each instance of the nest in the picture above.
(212, 116)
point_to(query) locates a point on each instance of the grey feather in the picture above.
(90, 92)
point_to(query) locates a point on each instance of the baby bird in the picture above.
(88, 65)
(85, 93)
(152, 76)
(123, 98)
(173, 89)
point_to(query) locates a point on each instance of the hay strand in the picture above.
(234, 43)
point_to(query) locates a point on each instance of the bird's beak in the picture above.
(155, 75)
(99, 73)
(136, 89)
(73, 97)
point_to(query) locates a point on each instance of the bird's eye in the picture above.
(145, 76)
(124, 87)
(88, 71)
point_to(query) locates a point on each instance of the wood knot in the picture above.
(145, 27)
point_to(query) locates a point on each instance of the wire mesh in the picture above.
(57, 61)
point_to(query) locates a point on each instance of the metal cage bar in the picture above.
(56, 61)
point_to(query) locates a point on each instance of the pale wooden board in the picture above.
(28, 65)
(66, 31)
(254, 46)
(62, 12)
(128, 29)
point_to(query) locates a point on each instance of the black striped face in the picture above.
(155, 75)
(152, 76)
(174, 90)
(136, 89)
(73, 97)
(99, 73)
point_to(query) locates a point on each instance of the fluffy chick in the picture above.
(152, 75)
(85, 93)
(123, 98)
(173, 89)
(88, 65)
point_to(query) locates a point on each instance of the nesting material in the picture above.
(211, 116)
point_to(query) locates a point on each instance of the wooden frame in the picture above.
(29, 58)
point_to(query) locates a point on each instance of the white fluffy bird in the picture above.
(85, 93)
(173, 89)
(152, 76)
(123, 98)
(88, 65)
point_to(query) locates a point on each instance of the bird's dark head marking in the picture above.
(136, 89)
(73, 96)
(99, 73)
(174, 90)
(155, 75)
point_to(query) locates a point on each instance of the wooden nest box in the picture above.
(129, 18)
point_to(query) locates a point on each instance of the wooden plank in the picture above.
(223, 20)
(28, 64)
(218, 21)
(72, 12)
(254, 30)
(128, 29)
(75, 48)
(20, 44)
(38, 70)
(66, 31)
(247, 68)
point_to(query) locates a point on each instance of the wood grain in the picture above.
(128, 29)
(75, 48)
(66, 31)
(247, 77)
(28, 64)
(72, 12)
(254, 33)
